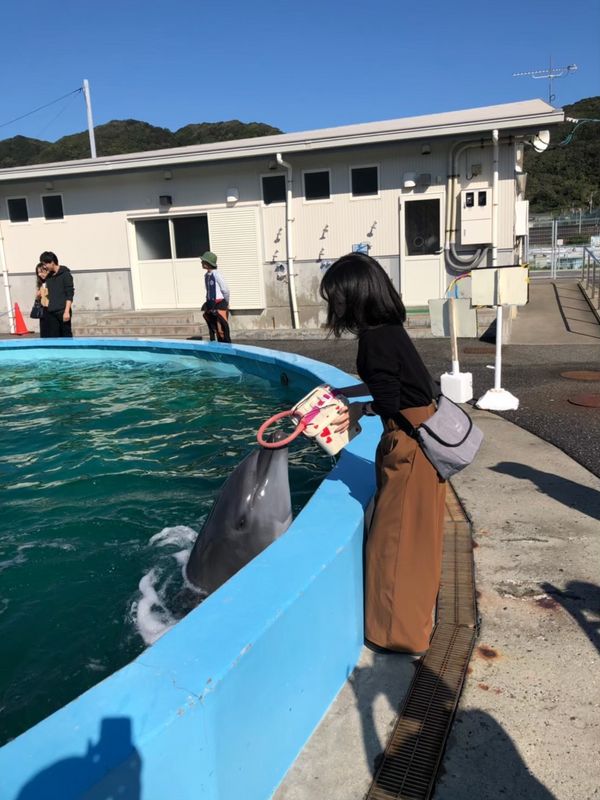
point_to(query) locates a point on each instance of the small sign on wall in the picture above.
(361, 247)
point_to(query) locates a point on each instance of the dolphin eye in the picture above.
(242, 522)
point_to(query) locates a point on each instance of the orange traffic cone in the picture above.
(20, 327)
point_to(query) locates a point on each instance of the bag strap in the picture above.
(405, 425)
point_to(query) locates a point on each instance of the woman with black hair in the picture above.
(404, 544)
(41, 297)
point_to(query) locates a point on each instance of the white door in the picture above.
(167, 272)
(422, 272)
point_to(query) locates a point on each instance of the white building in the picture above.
(424, 195)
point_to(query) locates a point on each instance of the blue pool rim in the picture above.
(221, 705)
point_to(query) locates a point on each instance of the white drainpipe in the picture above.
(9, 305)
(288, 240)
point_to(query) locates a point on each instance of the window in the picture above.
(153, 239)
(422, 227)
(17, 209)
(273, 189)
(316, 185)
(53, 206)
(365, 181)
(190, 236)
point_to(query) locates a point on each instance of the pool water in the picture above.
(107, 471)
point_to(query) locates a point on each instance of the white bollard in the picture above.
(456, 385)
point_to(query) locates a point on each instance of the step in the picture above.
(168, 331)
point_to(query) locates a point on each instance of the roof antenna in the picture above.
(551, 73)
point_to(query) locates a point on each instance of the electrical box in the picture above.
(503, 286)
(465, 318)
(476, 216)
(521, 217)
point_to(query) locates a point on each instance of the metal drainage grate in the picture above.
(412, 758)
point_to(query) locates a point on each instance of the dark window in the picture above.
(191, 236)
(53, 207)
(422, 227)
(364, 181)
(153, 239)
(316, 185)
(482, 198)
(17, 209)
(273, 189)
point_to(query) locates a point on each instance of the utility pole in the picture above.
(548, 74)
(90, 120)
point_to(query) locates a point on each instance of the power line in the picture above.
(41, 108)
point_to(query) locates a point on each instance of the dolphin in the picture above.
(253, 508)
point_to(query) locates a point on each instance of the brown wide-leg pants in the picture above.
(404, 545)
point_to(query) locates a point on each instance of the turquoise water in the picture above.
(107, 472)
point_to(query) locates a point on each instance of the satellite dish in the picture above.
(541, 141)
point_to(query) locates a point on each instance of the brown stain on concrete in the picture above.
(486, 652)
(483, 686)
(546, 602)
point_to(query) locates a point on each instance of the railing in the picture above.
(590, 279)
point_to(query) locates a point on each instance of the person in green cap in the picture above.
(216, 308)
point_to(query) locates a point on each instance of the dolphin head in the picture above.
(252, 509)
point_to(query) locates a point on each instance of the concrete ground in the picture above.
(528, 725)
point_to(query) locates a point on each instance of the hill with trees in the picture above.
(566, 176)
(125, 136)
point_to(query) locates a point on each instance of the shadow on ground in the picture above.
(582, 601)
(569, 493)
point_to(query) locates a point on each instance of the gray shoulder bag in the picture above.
(449, 439)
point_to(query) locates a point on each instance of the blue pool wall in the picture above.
(222, 704)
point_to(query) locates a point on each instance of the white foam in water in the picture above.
(151, 616)
(179, 535)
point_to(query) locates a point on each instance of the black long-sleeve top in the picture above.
(393, 371)
(60, 289)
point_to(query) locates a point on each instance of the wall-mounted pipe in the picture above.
(288, 240)
(456, 263)
(9, 305)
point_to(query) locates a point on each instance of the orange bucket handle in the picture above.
(282, 442)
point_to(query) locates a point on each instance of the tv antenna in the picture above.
(548, 74)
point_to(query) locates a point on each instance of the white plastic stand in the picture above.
(498, 399)
(456, 385)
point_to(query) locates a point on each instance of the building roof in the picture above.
(525, 116)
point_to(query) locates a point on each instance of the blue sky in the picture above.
(294, 65)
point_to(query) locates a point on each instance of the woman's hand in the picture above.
(347, 416)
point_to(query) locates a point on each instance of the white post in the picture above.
(456, 385)
(498, 358)
(9, 305)
(497, 399)
(453, 341)
(90, 120)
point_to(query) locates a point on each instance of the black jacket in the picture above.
(60, 289)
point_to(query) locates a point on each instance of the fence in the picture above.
(557, 245)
